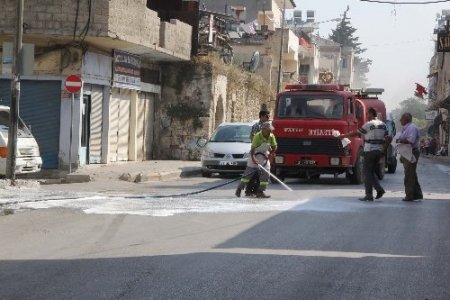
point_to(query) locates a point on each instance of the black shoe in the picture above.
(366, 198)
(262, 195)
(238, 192)
(380, 194)
(249, 194)
(407, 199)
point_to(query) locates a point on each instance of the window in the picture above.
(311, 106)
(21, 128)
(304, 69)
(344, 63)
(350, 106)
(232, 133)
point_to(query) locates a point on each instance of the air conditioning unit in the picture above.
(310, 16)
(297, 16)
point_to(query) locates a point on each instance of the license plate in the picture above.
(307, 162)
(227, 163)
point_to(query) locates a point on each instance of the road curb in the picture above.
(160, 176)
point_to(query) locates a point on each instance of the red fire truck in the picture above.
(305, 119)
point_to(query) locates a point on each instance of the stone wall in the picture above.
(55, 16)
(211, 94)
(176, 37)
(128, 20)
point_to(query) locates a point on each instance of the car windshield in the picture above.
(4, 122)
(311, 106)
(232, 133)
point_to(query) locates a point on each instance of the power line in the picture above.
(407, 2)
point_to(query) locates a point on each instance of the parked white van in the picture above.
(28, 158)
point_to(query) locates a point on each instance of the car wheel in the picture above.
(206, 174)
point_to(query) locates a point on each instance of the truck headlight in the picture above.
(335, 161)
(279, 159)
(246, 155)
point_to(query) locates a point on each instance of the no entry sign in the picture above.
(73, 83)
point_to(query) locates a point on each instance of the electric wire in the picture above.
(405, 2)
(76, 19)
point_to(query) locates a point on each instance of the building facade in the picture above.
(117, 48)
(439, 82)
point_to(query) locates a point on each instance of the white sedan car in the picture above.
(227, 150)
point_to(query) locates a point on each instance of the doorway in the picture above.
(85, 129)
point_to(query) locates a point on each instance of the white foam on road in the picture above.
(148, 205)
(144, 205)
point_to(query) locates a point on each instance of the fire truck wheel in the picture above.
(279, 174)
(381, 169)
(392, 166)
(358, 175)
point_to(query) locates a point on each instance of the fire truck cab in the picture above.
(306, 120)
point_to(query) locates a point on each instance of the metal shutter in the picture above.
(40, 108)
(95, 141)
(124, 125)
(114, 124)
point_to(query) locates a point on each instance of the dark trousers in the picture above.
(371, 165)
(411, 182)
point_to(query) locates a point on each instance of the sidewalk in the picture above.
(142, 171)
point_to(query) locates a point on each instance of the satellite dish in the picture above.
(254, 62)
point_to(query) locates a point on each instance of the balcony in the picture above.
(108, 24)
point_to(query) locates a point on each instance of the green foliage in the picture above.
(185, 111)
(344, 35)
(416, 107)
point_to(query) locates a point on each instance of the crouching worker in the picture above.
(263, 142)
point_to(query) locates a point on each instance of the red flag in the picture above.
(420, 91)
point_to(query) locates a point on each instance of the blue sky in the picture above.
(398, 39)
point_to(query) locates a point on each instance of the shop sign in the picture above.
(431, 114)
(126, 70)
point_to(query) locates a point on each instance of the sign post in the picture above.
(73, 85)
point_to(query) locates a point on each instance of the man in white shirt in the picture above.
(375, 134)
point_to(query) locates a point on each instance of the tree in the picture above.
(414, 105)
(344, 35)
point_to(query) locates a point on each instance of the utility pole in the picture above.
(281, 47)
(15, 95)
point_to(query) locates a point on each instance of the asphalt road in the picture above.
(317, 242)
